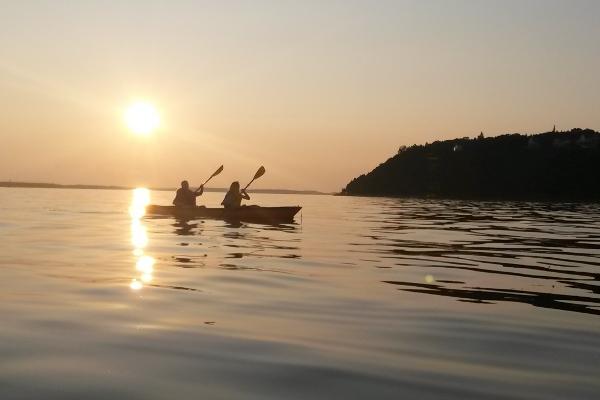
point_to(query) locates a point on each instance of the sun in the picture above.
(142, 118)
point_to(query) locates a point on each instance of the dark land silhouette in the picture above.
(546, 166)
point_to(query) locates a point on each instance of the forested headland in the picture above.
(551, 165)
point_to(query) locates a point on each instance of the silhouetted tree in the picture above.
(552, 165)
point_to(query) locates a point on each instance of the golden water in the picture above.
(361, 298)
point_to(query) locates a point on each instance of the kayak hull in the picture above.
(243, 213)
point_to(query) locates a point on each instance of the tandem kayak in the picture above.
(243, 213)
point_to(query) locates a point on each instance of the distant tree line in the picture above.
(552, 165)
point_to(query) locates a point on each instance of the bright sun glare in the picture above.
(142, 118)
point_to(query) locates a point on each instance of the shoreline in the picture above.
(37, 185)
(523, 199)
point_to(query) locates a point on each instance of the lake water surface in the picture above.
(362, 298)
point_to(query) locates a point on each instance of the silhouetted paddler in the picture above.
(185, 196)
(234, 196)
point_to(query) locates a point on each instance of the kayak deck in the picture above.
(243, 213)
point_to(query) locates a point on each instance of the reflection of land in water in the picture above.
(508, 246)
(490, 295)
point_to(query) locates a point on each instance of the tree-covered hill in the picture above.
(552, 165)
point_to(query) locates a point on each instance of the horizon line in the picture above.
(52, 185)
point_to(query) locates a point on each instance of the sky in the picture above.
(316, 91)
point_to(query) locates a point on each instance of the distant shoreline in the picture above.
(40, 185)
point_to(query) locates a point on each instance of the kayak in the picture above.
(243, 213)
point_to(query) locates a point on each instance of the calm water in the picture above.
(362, 298)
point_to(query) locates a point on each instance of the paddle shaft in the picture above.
(206, 181)
(217, 172)
(249, 184)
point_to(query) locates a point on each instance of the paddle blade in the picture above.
(217, 172)
(261, 171)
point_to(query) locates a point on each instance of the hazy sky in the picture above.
(317, 91)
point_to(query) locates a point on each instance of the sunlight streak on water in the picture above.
(139, 238)
(140, 199)
(144, 264)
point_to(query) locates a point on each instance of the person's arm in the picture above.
(199, 191)
(244, 194)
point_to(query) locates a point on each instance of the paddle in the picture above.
(261, 171)
(217, 172)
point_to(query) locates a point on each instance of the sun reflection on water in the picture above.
(139, 201)
(139, 238)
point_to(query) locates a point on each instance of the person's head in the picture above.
(235, 187)
(185, 185)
